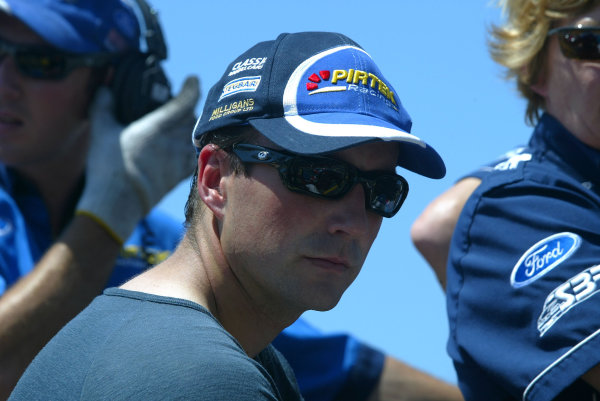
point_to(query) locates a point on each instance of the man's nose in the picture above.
(349, 213)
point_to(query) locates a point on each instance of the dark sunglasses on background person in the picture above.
(329, 178)
(48, 63)
(578, 42)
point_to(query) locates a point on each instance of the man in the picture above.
(296, 169)
(70, 194)
(524, 257)
(43, 148)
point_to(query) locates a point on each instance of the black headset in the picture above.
(139, 84)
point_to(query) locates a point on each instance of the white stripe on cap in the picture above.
(352, 130)
(289, 95)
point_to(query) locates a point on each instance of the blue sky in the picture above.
(434, 55)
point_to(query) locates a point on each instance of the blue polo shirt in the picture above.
(524, 273)
(328, 367)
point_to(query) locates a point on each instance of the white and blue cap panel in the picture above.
(343, 86)
(315, 93)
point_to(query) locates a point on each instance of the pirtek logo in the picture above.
(351, 76)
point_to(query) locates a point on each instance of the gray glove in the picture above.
(129, 169)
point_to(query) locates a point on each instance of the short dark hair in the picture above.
(223, 138)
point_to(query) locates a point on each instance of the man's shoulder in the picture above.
(525, 195)
(524, 171)
(134, 344)
(506, 167)
(172, 343)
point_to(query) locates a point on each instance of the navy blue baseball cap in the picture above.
(315, 93)
(79, 26)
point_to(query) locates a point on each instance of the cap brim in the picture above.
(315, 134)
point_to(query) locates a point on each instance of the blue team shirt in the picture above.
(328, 367)
(524, 273)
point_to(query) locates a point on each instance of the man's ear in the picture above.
(213, 166)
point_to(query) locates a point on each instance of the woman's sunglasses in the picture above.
(329, 178)
(582, 43)
(45, 62)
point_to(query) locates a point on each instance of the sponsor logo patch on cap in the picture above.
(245, 84)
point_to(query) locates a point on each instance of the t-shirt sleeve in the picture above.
(523, 283)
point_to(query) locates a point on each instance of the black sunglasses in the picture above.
(582, 43)
(330, 178)
(48, 63)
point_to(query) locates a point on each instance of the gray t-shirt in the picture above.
(137, 346)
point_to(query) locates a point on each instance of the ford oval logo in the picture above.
(543, 257)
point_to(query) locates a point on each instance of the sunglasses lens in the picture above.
(385, 194)
(40, 65)
(580, 44)
(321, 177)
(330, 178)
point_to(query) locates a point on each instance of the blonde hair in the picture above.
(520, 43)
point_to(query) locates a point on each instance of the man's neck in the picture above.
(200, 274)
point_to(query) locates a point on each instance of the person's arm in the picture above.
(71, 273)
(129, 170)
(401, 382)
(432, 231)
(337, 366)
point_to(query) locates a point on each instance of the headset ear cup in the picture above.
(121, 82)
(139, 85)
